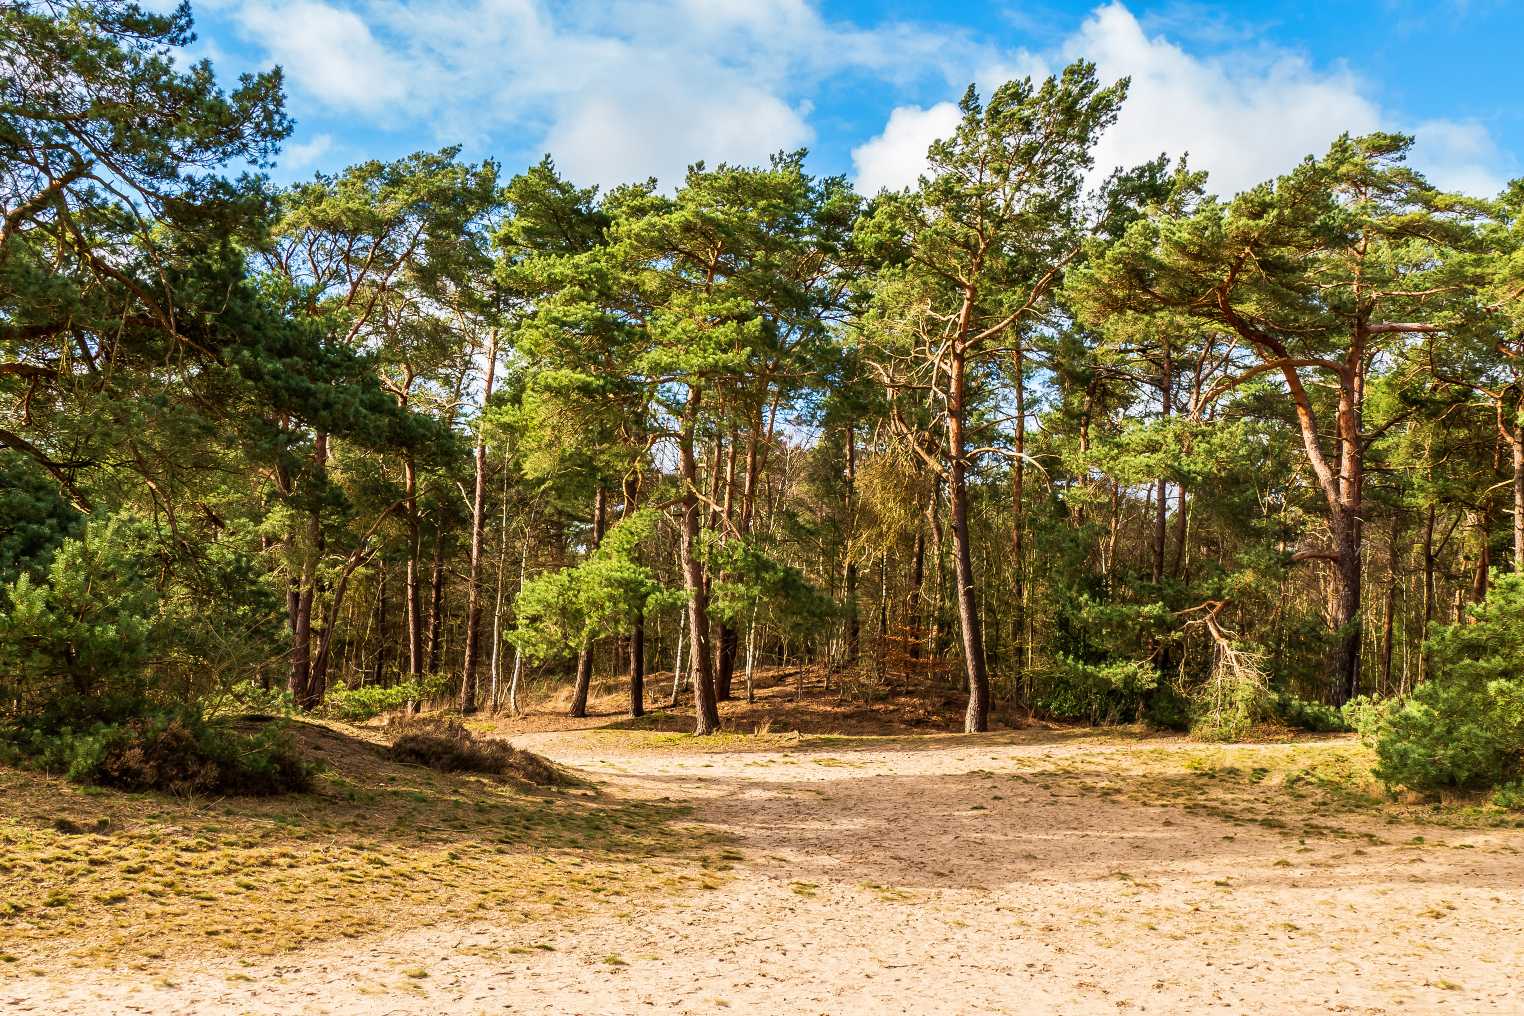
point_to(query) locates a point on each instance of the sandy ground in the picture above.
(1011, 874)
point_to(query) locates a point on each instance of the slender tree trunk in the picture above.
(854, 635)
(1483, 557)
(382, 642)
(638, 668)
(1388, 615)
(585, 657)
(1161, 508)
(301, 683)
(1182, 516)
(707, 715)
(635, 644)
(939, 606)
(436, 604)
(725, 637)
(677, 665)
(1516, 446)
(478, 527)
(913, 598)
(1018, 525)
(977, 717)
(518, 654)
(1346, 523)
(412, 595)
(497, 605)
(1429, 563)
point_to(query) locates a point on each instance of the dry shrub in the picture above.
(444, 743)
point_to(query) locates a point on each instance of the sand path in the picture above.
(1003, 875)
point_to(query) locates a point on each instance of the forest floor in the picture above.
(817, 870)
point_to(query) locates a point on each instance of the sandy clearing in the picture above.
(988, 875)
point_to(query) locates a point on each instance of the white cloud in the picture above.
(632, 88)
(1242, 116)
(1459, 156)
(897, 157)
(327, 52)
(1245, 115)
(301, 155)
(616, 92)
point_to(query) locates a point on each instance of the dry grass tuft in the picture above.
(445, 744)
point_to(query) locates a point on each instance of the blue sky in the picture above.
(624, 89)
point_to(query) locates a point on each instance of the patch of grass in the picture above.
(375, 843)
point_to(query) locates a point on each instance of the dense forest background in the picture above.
(1096, 445)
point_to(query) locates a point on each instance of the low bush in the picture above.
(1510, 796)
(445, 744)
(1316, 717)
(1111, 692)
(177, 752)
(356, 704)
(1464, 726)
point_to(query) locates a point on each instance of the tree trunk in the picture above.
(300, 682)
(637, 664)
(854, 634)
(1018, 525)
(677, 664)
(707, 714)
(977, 717)
(1516, 446)
(585, 657)
(478, 518)
(1161, 507)
(436, 604)
(913, 598)
(382, 643)
(1429, 563)
(1388, 615)
(497, 605)
(518, 655)
(411, 594)
(1346, 619)
(635, 644)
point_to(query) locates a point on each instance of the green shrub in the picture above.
(74, 646)
(1510, 796)
(356, 704)
(249, 697)
(177, 752)
(1168, 708)
(1464, 727)
(125, 621)
(1110, 692)
(1317, 717)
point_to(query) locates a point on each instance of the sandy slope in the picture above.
(1014, 874)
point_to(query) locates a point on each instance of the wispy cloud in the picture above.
(1245, 115)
